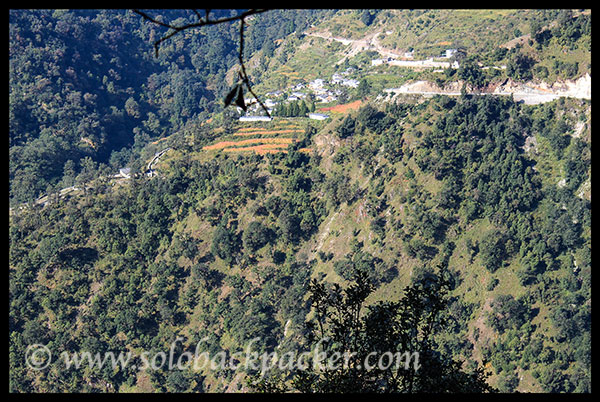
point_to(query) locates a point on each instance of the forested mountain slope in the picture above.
(463, 222)
(72, 93)
(224, 245)
(85, 83)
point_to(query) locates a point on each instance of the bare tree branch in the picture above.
(198, 15)
(206, 21)
(178, 28)
(243, 74)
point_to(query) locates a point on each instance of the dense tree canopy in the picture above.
(456, 227)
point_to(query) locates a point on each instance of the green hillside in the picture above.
(458, 227)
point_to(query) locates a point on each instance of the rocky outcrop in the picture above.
(580, 88)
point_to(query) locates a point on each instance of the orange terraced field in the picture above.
(263, 131)
(342, 108)
(265, 149)
(260, 149)
(251, 129)
(226, 144)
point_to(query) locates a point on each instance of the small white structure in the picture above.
(269, 103)
(429, 63)
(317, 84)
(336, 78)
(125, 173)
(349, 71)
(450, 53)
(255, 118)
(318, 116)
(350, 83)
(325, 97)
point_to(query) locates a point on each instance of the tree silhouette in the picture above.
(408, 325)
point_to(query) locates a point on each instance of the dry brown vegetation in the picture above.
(226, 144)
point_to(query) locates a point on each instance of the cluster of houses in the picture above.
(322, 91)
(314, 116)
(319, 90)
(408, 61)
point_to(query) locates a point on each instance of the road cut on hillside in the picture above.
(530, 93)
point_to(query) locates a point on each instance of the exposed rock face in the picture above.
(530, 92)
(580, 88)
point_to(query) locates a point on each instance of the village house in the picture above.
(450, 52)
(317, 84)
(318, 116)
(274, 94)
(350, 83)
(255, 118)
(270, 103)
(125, 173)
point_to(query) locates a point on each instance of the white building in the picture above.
(450, 53)
(317, 84)
(350, 83)
(429, 63)
(255, 118)
(318, 116)
(274, 93)
(269, 103)
(336, 78)
(325, 97)
(125, 173)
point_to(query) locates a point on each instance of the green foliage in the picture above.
(492, 250)
(508, 313)
(519, 67)
(225, 246)
(470, 72)
(359, 262)
(255, 236)
(297, 108)
(407, 325)
(347, 128)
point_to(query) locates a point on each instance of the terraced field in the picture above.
(260, 138)
(343, 109)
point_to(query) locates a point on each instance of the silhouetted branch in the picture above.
(207, 21)
(243, 74)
